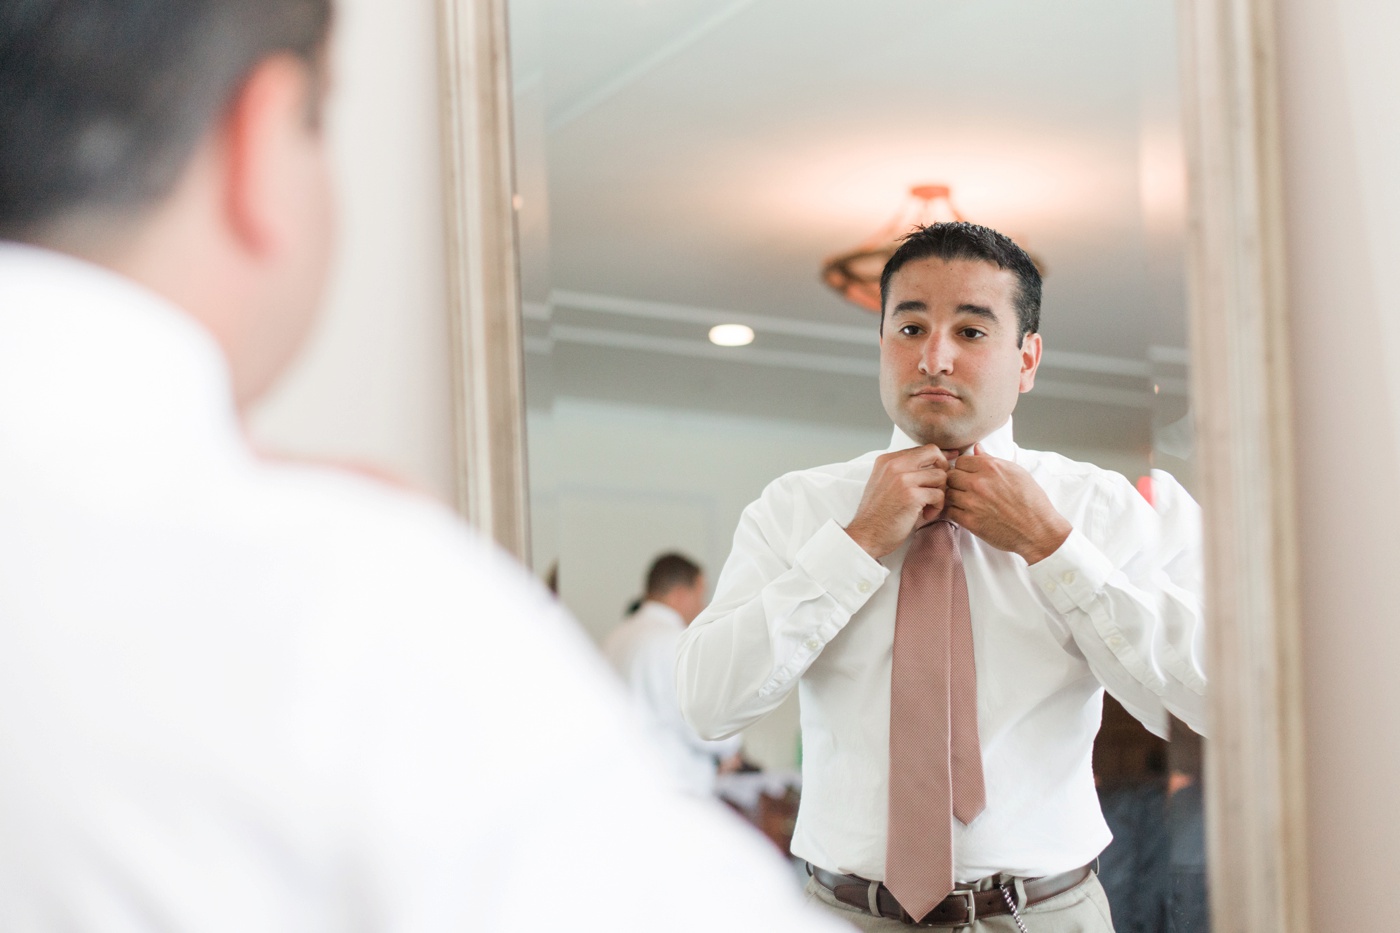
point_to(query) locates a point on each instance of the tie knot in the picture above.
(934, 540)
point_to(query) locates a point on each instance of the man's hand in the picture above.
(1003, 505)
(904, 490)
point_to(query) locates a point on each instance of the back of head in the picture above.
(961, 240)
(102, 102)
(670, 571)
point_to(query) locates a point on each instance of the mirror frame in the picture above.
(1239, 335)
(483, 272)
(1255, 804)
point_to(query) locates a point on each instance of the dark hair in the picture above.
(961, 240)
(670, 571)
(102, 102)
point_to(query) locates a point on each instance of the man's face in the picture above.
(300, 209)
(692, 601)
(950, 368)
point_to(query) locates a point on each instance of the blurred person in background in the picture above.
(643, 652)
(237, 695)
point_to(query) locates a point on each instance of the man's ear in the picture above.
(257, 132)
(1030, 360)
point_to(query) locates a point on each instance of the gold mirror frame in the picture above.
(1254, 768)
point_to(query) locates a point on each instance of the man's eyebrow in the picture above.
(913, 305)
(979, 310)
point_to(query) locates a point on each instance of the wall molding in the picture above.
(1135, 376)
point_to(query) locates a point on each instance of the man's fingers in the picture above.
(971, 463)
(932, 478)
(925, 457)
(932, 505)
(959, 479)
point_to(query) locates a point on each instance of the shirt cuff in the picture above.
(841, 567)
(1074, 574)
(1072, 578)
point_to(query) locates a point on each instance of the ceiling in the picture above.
(688, 162)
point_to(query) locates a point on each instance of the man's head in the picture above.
(678, 582)
(959, 334)
(177, 142)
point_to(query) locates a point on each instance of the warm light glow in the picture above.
(731, 335)
(1001, 177)
(855, 272)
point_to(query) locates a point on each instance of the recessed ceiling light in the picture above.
(731, 335)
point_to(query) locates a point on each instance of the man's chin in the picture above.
(942, 437)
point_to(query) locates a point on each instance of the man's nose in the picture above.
(937, 356)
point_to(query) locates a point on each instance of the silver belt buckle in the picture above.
(971, 897)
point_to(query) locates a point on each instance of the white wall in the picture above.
(374, 383)
(1341, 128)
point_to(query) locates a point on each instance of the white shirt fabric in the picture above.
(799, 604)
(642, 649)
(237, 696)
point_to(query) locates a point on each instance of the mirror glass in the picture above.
(684, 164)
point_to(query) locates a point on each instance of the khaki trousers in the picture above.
(1081, 909)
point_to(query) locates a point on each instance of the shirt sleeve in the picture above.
(1127, 586)
(772, 615)
(659, 694)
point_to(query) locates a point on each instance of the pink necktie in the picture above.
(935, 753)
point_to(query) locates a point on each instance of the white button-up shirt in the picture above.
(799, 604)
(643, 652)
(238, 696)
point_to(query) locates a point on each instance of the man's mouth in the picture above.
(934, 393)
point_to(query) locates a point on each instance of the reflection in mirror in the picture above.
(685, 164)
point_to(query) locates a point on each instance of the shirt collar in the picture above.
(662, 611)
(997, 444)
(91, 360)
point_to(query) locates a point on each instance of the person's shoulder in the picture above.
(1097, 494)
(817, 479)
(1049, 466)
(345, 513)
(395, 582)
(374, 553)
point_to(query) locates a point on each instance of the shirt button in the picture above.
(1068, 577)
(1049, 586)
(813, 644)
(863, 586)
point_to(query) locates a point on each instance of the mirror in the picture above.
(682, 165)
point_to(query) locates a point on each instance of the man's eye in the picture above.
(972, 333)
(910, 330)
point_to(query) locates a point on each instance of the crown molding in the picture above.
(1064, 364)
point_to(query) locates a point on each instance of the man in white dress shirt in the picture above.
(1075, 584)
(643, 652)
(243, 696)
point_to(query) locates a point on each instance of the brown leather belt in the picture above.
(960, 907)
